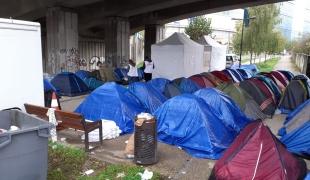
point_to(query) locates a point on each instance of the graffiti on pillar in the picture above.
(51, 62)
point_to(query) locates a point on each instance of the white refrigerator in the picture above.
(21, 72)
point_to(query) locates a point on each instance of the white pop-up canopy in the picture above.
(177, 56)
(214, 53)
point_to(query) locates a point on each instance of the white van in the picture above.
(231, 59)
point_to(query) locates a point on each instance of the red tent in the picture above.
(215, 80)
(278, 78)
(264, 88)
(257, 154)
(223, 76)
(281, 77)
(202, 81)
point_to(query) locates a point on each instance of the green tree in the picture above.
(198, 27)
(260, 36)
(302, 45)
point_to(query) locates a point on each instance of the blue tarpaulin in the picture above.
(48, 86)
(187, 86)
(148, 95)
(252, 68)
(159, 84)
(245, 73)
(112, 102)
(234, 74)
(120, 73)
(224, 108)
(308, 176)
(298, 141)
(187, 121)
(82, 74)
(296, 130)
(93, 83)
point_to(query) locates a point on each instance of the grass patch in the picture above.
(268, 65)
(123, 172)
(68, 163)
(64, 162)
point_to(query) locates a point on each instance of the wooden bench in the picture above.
(68, 120)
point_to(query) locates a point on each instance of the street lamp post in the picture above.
(245, 22)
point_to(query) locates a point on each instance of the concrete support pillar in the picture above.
(62, 40)
(153, 34)
(117, 32)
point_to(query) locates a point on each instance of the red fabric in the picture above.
(262, 86)
(215, 81)
(280, 85)
(202, 81)
(281, 77)
(221, 75)
(257, 148)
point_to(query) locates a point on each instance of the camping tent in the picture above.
(257, 154)
(159, 84)
(271, 85)
(201, 80)
(296, 130)
(171, 90)
(222, 76)
(148, 95)
(214, 53)
(215, 80)
(177, 56)
(235, 75)
(187, 121)
(83, 74)
(295, 94)
(260, 94)
(112, 102)
(243, 99)
(68, 84)
(224, 108)
(186, 85)
(289, 75)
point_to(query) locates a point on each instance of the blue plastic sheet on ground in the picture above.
(148, 95)
(159, 84)
(112, 102)
(224, 108)
(298, 141)
(187, 121)
(188, 86)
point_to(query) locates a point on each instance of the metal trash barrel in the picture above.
(145, 145)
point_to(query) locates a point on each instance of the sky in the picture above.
(301, 15)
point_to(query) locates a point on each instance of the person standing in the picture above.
(148, 68)
(133, 72)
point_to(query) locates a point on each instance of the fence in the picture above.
(302, 61)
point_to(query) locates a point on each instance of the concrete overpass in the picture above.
(65, 21)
